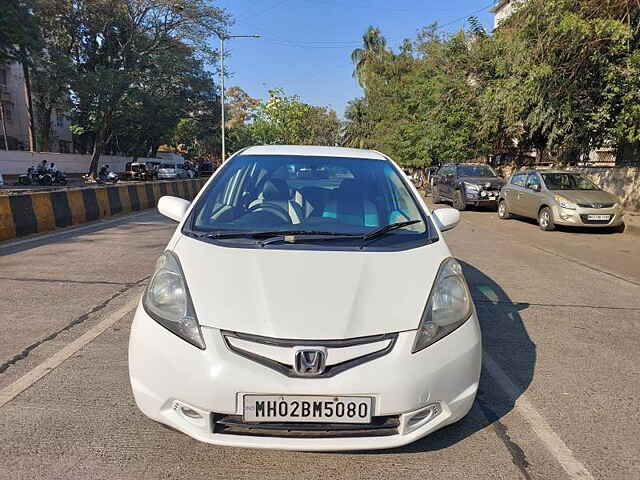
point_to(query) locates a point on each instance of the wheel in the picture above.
(435, 195)
(503, 210)
(545, 219)
(458, 201)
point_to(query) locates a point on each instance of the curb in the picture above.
(30, 213)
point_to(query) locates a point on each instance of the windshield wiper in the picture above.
(378, 232)
(277, 233)
(296, 236)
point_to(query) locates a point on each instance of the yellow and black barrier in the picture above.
(36, 212)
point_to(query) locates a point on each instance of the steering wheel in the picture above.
(272, 208)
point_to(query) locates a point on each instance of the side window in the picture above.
(533, 180)
(519, 179)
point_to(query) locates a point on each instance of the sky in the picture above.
(305, 45)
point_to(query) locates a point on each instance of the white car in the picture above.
(306, 301)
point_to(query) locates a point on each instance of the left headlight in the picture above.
(565, 202)
(472, 187)
(168, 302)
(448, 307)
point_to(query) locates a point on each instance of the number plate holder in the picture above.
(306, 408)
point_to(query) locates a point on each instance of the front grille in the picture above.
(234, 425)
(586, 221)
(596, 205)
(289, 370)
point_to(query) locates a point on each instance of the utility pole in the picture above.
(223, 36)
(4, 126)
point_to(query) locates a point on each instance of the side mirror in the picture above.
(173, 207)
(446, 218)
(536, 187)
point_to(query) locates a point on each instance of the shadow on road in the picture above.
(505, 339)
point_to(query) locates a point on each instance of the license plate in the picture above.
(598, 217)
(305, 408)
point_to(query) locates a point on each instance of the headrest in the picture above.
(275, 189)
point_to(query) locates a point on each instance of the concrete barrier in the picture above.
(29, 213)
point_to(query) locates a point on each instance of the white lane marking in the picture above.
(74, 229)
(543, 430)
(11, 391)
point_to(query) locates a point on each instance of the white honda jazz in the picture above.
(307, 301)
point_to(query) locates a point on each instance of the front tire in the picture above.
(503, 210)
(545, 219)
(458, 201)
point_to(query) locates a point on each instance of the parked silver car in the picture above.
(555, 197)
(171, 171)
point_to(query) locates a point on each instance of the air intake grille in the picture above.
(234, 425)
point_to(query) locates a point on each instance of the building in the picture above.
(503, 9)
(14, 118)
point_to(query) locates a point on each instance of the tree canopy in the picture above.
(559, 77)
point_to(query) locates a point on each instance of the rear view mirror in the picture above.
(173, 207)
(446, 218)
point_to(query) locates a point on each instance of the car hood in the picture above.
(587, 196)
(308, 294)
(483, 180)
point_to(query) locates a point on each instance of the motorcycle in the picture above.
(35, 177)
(110, 177)
(59, 178)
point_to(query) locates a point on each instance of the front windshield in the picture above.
(273, 193)
(475, 171)
(567, 181)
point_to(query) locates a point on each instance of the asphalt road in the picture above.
(559, 393)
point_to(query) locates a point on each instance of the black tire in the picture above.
(503, 210)
(458, 201)
(46, 180)
(545, 219)
(435, 195)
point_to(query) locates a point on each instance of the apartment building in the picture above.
(14, 118)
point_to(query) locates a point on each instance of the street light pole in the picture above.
(222, 36)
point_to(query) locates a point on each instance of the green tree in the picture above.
(373, 48)
(114, 42)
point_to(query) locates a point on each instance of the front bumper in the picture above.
(167, 374)
(483, 197)
(578, 217)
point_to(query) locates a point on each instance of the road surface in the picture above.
(560, 313)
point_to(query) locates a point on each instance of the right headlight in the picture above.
(448, 307)
(472, 187)
(167, 301)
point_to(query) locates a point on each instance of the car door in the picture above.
(447, 182)
(530, 195)
(440, 180)
(514, 192)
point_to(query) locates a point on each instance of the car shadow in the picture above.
(506, 341)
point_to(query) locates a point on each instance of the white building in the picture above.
(503, 9)
(14, 118)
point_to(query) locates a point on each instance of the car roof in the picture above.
(312, 150)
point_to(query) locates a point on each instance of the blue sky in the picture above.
(306, 44)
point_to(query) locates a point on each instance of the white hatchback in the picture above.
(306, 301)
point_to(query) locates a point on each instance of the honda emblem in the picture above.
(309, 361)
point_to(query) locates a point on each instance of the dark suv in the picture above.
(467, 184)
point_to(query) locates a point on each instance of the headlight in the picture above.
(167, 301)
(565, 203)
(448, 307)
(472, 187)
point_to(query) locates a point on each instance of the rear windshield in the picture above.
(301, 193)
(567, 181)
